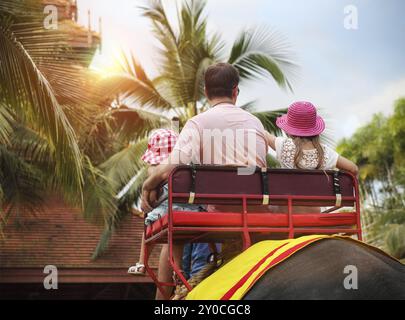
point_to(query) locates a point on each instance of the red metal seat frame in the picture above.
(182, 227)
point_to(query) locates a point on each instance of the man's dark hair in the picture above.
(220, 80)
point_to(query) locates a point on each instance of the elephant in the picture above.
(333, 269)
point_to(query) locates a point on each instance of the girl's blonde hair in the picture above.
(299, 151)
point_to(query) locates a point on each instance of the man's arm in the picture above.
(160, 175)
(270, 139)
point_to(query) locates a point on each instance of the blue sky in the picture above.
(348, 74)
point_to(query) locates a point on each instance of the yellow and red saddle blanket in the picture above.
(235, 279)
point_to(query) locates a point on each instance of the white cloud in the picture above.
(361, 112)
(348, 87)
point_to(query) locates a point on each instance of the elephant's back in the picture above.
(322, 269)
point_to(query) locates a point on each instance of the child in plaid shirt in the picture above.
(160, 145)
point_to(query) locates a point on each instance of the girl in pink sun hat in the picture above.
(302, 148)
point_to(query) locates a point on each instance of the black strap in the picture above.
(192, 188)
(265, 186)
(337, 189)
(336, 183)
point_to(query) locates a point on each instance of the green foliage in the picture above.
(186, 50)
(268, 118)
(47, 99)
(395, 241)
(379, 150)
(64, 130)
(260, 52)
(21, 189)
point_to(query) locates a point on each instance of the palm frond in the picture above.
(261, 52)
(130, 65)
(395, 241)
(97, 140)
(28, 93)
(20, 9)
(155, 11)
(165, 34)
(192, 21)
(272, 162)
(268, 119)
(130, 124)
(100, 204)
(249, 106)
(126, 199)
(112, 130)
(31, 146)
(135, 90)
(183, 54)
(198, 88)
(64, 67)
(122, 166)
(21, 184)
(130, 194)
(103, 242)
(197, 49)
(5, 125)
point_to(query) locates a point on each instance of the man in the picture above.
(239, 140)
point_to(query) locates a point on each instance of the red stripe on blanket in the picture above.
(240, 283)
(277, 260)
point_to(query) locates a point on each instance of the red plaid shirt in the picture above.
(161, 143)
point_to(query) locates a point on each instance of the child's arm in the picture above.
(270, 139)
(347, 165)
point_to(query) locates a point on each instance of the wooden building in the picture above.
(59, 236)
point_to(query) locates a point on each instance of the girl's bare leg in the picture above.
(142, 254)
(165, 272)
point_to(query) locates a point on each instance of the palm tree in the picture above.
(185, 51)
(184, 55)
(378, 149)
(26, 94)
(58, 135)
(42, 87)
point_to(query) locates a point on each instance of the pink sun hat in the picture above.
(160, 144)
(301, 120)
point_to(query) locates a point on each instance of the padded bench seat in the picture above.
(269, 220)
(224, 186)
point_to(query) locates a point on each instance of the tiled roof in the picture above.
(59, 236)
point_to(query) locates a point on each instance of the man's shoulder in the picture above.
(214, 113)
(196, 120)
(252, 117)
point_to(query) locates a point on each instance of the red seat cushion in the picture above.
(271, 220)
